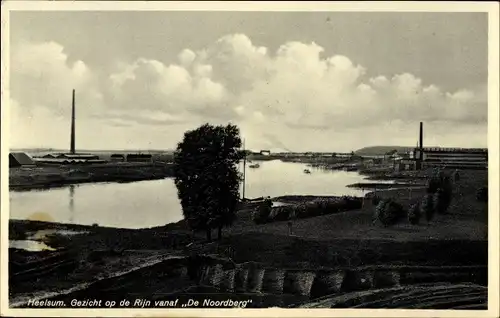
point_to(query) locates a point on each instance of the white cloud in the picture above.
(149, 84)
(297, 97)
(186, 57)
(42, 75)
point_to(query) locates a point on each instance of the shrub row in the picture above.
(266, 213)
(437, 200)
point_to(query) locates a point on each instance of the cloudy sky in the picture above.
(291, 81)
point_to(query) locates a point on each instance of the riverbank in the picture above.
(45, 177)
(379, 185)
(345, 239)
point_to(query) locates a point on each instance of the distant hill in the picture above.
(381, 150)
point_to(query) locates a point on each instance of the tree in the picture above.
(414, 213)
(388, 212)
(207, 177)
(261, 214)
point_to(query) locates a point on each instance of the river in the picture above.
(152, 203)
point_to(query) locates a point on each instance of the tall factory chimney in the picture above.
(420, 148)
(421, 140)
(72, 145)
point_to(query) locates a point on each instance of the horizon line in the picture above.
(58, 150)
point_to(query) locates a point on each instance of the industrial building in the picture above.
(454, 158)
(117, 157)
(139, 158)
(71, 156)
(451, 158)
(20, 159)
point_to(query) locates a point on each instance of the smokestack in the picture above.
(72, 145)
(421, 140)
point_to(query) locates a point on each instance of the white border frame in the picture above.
(492, 8)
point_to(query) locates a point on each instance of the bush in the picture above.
(282, 213)
(308, 209)
(329, 206)
(313, 208)
(447, 186)
(441, 186)
(263, 212)
(300, 212)
(389, 212)
(432, 185)
(435, 181)
(439, 173)
(376, 200)
(482, 194)
(427, 206)
(414, 214)
(441, 201)
(351, 203)
(317, 207)
(379, 211)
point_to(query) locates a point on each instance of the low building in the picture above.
(405, 165)
(344, 154)
(139, 158)
(78, 156)
(70, 156)
(50, 156)
(117, 157)
(453, 158)
(68, 159)
(20, 159)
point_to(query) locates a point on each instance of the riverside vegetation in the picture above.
(265, 212)
(438, 197)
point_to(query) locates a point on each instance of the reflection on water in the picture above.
(275, 178)
(31, 246)
(277, 203)
(153, 203)
(72, 203)
(130, 205)
(42, 234)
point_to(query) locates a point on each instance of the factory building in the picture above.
(117, 157)
(454, 158)
(451, 158)
(20, 159)
(139, 158)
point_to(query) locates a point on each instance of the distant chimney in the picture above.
(421, 143)
(421, 135)
(72, 145)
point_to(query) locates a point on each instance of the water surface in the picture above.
(31, 246)
(153, 203)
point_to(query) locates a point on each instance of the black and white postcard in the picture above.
(207, 158)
